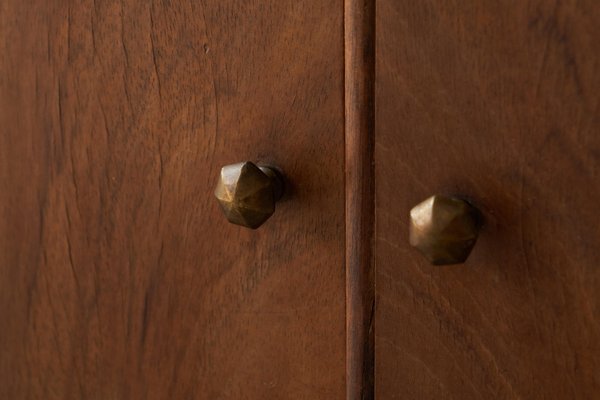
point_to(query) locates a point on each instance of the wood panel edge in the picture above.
(359, 98)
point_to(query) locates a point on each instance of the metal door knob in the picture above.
(444, 229)
(247, 193)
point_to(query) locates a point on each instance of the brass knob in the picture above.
(444, 229)
(247, 193)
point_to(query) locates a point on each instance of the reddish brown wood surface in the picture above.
(119, 277)
(359, 28)
(498, 102)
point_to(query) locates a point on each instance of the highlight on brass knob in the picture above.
(444, 229)
(247, 193)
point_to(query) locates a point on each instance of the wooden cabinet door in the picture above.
(119, 276)
(497, 101)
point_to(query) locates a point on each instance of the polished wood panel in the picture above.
(497, 101)
(359, 32)
(119, 276)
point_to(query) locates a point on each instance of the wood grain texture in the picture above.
(497, 101)
(119, 277)
(359, 31)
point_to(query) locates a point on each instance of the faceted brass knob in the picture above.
(444, 229)
(247, 193)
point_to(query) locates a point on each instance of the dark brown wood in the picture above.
(498, 102)
(119, 276)
(359, 28)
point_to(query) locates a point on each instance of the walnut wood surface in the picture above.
(119, 277)
(359, 28)
(499, 102)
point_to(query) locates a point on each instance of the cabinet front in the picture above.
(120, 275)
(494, 104)
(299, 199)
